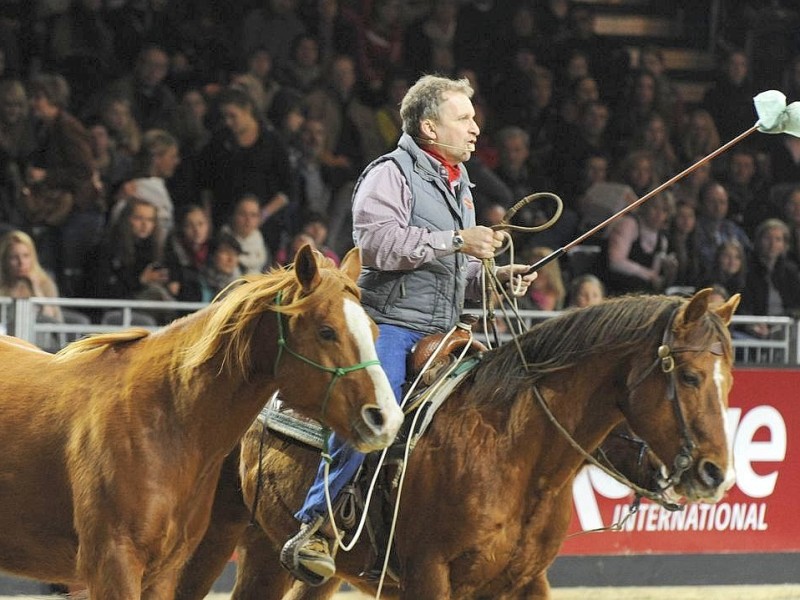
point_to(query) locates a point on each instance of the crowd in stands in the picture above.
(158, 149)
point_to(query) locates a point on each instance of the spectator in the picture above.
(581, 92)
(688, 189)
(129, 261)
(113, 166)
(81, 48)
(729, 268)
(638, 103)
(116, 115)
(784, 158)
(576, 144)
(316, 226)
(747, 191)
(730, 100)
(152, 103)
(637, 169)
(223, 268)
(285, 255)
(319, 176)
(246, 157)
(304, 70)
(670, 103)
(187, 255)
(699, 136)
(379, 46)
(155, 163)
(63, 164)
(791, 216)
(352, 132)
(714, 227)
(333, 29)
(638, 250)
(17, 141)
(387, 116)
(772, 287)
(272, 26)
(254, 257)
(683, 243)
(586, 290)
(429, 44)
(654, 137)
(260, 67)
(547, 291)
(21, 275)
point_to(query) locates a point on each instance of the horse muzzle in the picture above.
(377, 427)
(706, 482)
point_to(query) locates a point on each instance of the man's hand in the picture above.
(481, 242)
(515, 279)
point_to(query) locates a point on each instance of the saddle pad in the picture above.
(284, 420)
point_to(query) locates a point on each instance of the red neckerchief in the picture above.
(453, 172)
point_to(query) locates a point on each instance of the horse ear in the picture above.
(351, 263)
(306, 268)
(726, 310)
(697, 307)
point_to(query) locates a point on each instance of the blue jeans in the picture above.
(393, 345)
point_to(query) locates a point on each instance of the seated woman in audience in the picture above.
(547, 291)
(638, 250)
(129, 260)
(730, 267)
(223, 267)
(129, 264)
(187, 255)
(21, 275)
(772, 286)
(244, 226)
(683, 243)
(586, 290)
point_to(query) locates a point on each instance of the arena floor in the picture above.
(733, 592)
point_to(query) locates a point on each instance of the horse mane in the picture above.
(622, 325)
(236, 311)
(101, 341)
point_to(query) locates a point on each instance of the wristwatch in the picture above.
(458, 241)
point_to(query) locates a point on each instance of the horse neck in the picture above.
(218, 404)
(583, 400)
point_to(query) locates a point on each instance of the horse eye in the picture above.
(327, 333)
(689, 378)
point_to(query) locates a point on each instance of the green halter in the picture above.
(337, 372)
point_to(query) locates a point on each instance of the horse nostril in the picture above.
(711, 474)
(373, 417)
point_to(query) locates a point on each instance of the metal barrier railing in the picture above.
(19, 318)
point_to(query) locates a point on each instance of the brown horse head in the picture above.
(678, 402)
(324, 361)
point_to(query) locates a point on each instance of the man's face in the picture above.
(456, 127)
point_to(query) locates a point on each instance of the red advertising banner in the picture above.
(759, 514)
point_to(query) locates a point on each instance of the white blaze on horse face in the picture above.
(359, 325)
(719, 380)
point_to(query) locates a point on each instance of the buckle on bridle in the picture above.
(667, 361)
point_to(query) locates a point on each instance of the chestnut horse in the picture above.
(486, 502)
(112, 448)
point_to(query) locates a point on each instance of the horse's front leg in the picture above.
(162, 587)
(537, 588)
(426, 577)
(259, 574)
(112, 571)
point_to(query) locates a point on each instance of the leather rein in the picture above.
(683, 460)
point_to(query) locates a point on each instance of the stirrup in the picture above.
(290, 554)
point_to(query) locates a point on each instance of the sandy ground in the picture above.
(733, 592)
